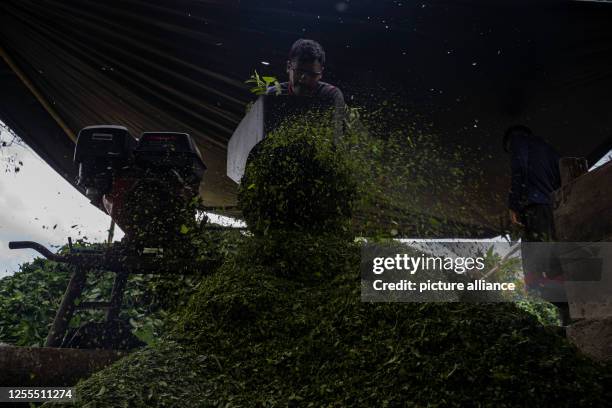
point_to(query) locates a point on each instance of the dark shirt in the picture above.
(324, 91)
(327, 93)
(535, 172)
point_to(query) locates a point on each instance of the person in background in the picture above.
(535, 175)
(305, 67)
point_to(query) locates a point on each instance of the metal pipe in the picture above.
(38, 248)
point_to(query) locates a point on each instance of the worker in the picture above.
(535, 175)
(305, 67)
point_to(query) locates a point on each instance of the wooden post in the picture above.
(66, 309)
(111, 232)
(51, 367)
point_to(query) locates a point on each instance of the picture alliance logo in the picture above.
(411, 264)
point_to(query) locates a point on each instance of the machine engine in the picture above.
(147, 185)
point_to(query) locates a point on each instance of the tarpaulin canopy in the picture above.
(465, 69)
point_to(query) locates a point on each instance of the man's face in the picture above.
(304, 76)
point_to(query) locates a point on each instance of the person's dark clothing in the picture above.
(326, 93)
(535, 175)
(535, 172)
(536, 250)
(539, 223)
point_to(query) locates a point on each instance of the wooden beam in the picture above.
(43, 366)
(39, 97)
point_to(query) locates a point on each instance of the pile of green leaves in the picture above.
(300, 255)
(265, 340)
(295, 181)
(199, 253)
(164, 374)
(272, 328)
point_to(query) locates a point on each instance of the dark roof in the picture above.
(468, 68)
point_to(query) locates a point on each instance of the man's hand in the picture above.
(514, 218)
